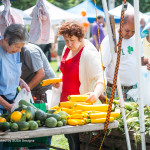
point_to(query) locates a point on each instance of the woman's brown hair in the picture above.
(72, 29)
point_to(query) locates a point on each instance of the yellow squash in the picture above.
(103, 115)
(75, 122)
(16, 116)
(2, 119)
(100, 120)
(50, 81)
(77, 98)
(99, 107)
(77, 116)
(71, 104)
(67, 110)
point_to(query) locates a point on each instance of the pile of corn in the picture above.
(132, 118)
(80, 112)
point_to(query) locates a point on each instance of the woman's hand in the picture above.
(56, 84)
(10, 107)
(22, 85)
(92, 98)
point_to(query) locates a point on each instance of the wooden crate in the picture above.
(115, 140)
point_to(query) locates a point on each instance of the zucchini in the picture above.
(24, 102)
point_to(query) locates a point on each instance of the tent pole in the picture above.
(118, 79)
(138, 56)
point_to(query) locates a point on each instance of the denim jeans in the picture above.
(73, 140)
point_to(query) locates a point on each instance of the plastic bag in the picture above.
(133, 93)
(53, 96)
(145, 85)
(23, 94)
(145, 77)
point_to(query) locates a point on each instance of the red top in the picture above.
(70, 72)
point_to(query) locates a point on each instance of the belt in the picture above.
(123, 87)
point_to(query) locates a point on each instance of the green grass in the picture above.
(58, 140)
(54, 66)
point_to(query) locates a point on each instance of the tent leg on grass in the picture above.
(138, 58)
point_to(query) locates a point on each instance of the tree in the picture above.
(66, 4)
(23, 4)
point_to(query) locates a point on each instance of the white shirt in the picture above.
(127, 66)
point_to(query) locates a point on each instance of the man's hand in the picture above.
(24, 85)
(102, 99)
(148, 64)
(97, 46)
(56, 84)
(9, 107)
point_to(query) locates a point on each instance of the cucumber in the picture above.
(14, 127)
(51, 122)
(64, 121)
(59, 124)
(33, 125)
(23, 125)
(4, 126)
(23, 117)
(40, 115)
(30, 113)
(39, 123)
(51, 111)
(56, 116)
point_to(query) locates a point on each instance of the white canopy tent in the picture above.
(130, 9)
(27, 19)
(57, 15)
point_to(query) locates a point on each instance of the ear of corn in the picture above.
(77, 98)
(50, 81)
(100, 120)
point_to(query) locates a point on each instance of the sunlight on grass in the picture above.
(54, 66)
(59, 141)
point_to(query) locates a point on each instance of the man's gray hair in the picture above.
(128, 17)
(16, 33)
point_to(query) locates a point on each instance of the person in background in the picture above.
(146, 40)
(61, 44)
(95, 37)
(46, 49)
(80, 75)
(142, 25)
(35, 68)
(127, 68)
(14, 38)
